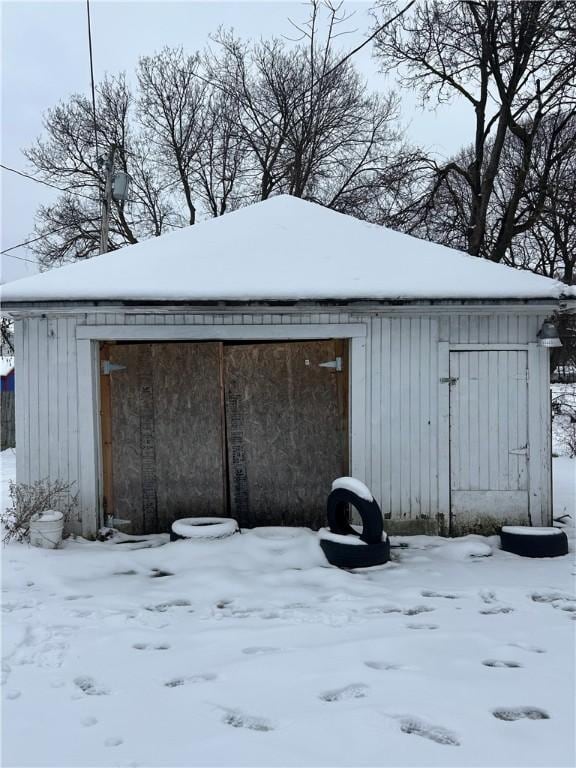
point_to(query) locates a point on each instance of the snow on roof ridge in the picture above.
(284, 248)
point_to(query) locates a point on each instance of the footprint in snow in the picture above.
(353, 691)
(158, 573)
(163, 607)
(489, 598)
(88, 722)
(260, 649)
(445, 595)
(496, 609)
(501, 663)
(113, 741)
(550, 597)
(205, 677)
(375, 609)
(437, 733)
(149, 646)
(78, 597)
(422, 626)
(382, 665)
(418, 609)
(88, 686)
(528, 647)
(238, 719)
(519, 713)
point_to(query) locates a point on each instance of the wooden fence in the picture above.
(7, 423)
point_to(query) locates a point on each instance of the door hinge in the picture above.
(335, 364)
(114, 522)
(106, 367)
(519, 451)
(451, 380)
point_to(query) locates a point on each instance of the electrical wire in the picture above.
(33, 240)
(47, 183)
(92, 77)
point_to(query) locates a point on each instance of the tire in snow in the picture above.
(345, 555)
(369, 511)
(202, 528)
(533, 542)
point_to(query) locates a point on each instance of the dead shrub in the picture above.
(27, 500)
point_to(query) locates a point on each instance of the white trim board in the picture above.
(219, 332)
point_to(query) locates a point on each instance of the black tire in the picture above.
(533, 544)
(369, 511)
(356, 555)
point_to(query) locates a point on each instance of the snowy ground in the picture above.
(252, 652)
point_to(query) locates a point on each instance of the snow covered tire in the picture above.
(356, 556)
(203, 528)
(369, 511)
(534, 542)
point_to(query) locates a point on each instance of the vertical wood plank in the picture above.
(376, 406)
(88, 435)
(386, 432)
(358, 408)
(43, 401)
(538, 510)
(53, 421)
(442, 447)
(21, 400)
(62, 397)
(34, 399)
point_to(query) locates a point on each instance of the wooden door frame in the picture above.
(89, 338)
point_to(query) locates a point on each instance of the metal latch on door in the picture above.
(519, 451)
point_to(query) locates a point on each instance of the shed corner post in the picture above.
(358, 457)
(444, 509)
(88, 436)
(539, 426)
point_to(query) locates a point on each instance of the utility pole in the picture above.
(107, 199)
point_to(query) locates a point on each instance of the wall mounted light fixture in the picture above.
(548, 335)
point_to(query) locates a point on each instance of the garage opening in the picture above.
(252, 430)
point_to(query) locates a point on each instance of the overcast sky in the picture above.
(45, 60)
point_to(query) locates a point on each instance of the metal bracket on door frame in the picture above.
(106, 367)
(335, 364)
(451, 380)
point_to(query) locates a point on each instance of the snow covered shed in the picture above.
(238, 366)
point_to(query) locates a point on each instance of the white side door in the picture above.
(489, 448)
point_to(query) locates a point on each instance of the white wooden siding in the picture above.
(398, 413)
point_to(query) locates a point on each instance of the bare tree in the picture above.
(312, 127)
(207, 133)
(514, 63)
(67, 157)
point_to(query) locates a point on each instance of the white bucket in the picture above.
(46, 529)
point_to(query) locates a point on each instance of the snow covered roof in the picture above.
(283, 249)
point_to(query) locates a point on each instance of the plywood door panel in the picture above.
(167, 434)
(286, 430)
(189, 435)
(488, 436)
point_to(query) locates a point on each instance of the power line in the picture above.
(324, 75)
(47, 183)
(27, 242)
(20, 258)
(92, 77)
